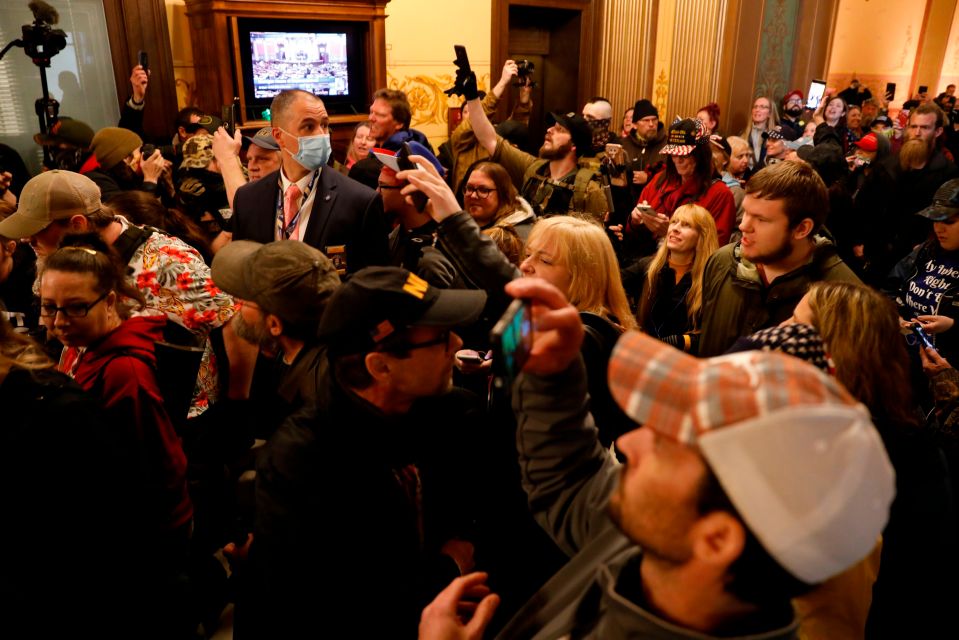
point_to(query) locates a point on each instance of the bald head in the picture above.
(282, 106)
(598, 109)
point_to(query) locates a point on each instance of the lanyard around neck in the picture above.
(286, 231)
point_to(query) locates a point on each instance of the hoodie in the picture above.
(120, 370)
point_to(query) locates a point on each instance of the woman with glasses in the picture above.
(85, 302)
(491, 199)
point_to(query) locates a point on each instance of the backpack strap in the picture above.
(580, 185)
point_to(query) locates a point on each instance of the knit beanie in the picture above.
(643, 109)
(112, 144)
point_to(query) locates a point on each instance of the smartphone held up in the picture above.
(512, 340)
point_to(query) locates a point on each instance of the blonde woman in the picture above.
(670, 282)
(763, 117)
(576, 255)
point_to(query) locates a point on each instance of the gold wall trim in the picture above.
(627, 52)
(428, 104)
(696, 55)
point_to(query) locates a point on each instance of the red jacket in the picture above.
(718, 200)
(126, 386)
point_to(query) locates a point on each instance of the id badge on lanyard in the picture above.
(286, 232)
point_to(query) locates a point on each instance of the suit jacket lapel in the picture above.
(322, 206)
(266, 221)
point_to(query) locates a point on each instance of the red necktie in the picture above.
(290, 208)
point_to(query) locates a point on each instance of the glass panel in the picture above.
(80, 76)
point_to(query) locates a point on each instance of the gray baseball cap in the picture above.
(287, 278)
(264, 139)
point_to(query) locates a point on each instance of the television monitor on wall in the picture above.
(323, 57)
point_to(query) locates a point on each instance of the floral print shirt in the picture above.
(176, 283)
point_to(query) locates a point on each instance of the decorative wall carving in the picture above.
(428, 103)
(776, 48)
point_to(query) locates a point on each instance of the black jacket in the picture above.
(335, 512)
(345, 213)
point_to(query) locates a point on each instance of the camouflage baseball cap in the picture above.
(197, 152)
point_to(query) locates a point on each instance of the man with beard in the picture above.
(717, 517)
(644, 144)
(915, 173)
(757, 282)
(792, 122)
(553, 183)
(282, 289)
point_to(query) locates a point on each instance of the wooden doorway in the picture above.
(557, 36)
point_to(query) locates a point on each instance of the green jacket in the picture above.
(736, 303)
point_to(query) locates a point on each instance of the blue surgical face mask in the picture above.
(314, 151)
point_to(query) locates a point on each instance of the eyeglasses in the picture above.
(480, 192)
(443, 339)
(72, 310)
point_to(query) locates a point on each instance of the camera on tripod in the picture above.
(40, 40)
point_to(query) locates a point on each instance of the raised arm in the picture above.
(226, 150)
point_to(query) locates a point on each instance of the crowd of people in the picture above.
(239, 371)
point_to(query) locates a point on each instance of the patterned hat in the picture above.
(945, 202)
(774, 134)
(685, 134)
(798, 457)
(197, 152)
(799, 340)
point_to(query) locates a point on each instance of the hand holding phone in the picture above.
(405, 164)
(924, 338)
(228, 116)
(512, 340)
(817, 89)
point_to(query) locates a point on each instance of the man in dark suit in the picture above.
(306, 200)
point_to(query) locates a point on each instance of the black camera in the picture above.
(524, 71)
(40, 40)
